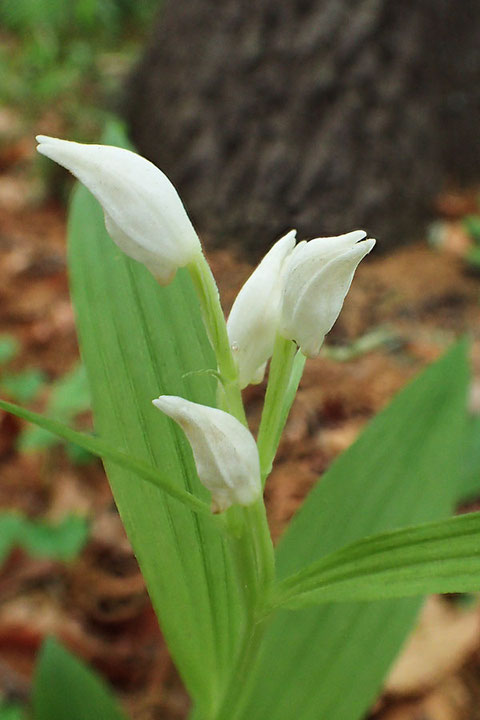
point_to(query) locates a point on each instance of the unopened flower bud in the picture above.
(255, 315)
(143, 212)
(224, 450)
(317, 278)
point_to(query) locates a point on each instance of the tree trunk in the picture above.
(324, 115)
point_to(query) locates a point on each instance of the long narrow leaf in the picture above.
(404, 469)
(138, 341)
(441, 557)
(99, 447)
(470, 489)
(66, 688)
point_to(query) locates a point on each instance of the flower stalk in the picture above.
(230, 396)
(286, 370)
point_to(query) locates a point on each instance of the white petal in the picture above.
(259, 374)
(143, 211)
(314, 297)
(253, 321)
(323, 249)
(225, 451)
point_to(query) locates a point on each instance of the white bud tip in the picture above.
(166, 403)
(224, 450)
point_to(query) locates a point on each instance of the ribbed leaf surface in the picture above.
(138, 341)
(440, 557)
(329, 661)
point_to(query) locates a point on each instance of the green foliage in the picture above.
(58, 51)
(24, 386)
(9, 348)
(80, 16)
(138, 341)
(471, 223)
(65, 688)
(69, 397)
(370, 532)
(471, 461)
(9, 711)
(95, 446)
(436, 557)
(62, 541)
(404, 469)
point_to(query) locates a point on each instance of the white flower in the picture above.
(225, 452)
(317, 278)
(255, 315)
(143, 212)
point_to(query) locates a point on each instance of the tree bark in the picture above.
(324, 115)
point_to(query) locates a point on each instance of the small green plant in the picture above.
(24, 385)
(307, 629)
(68, 397)
(57, 52)
(11, 711)
(59, 541)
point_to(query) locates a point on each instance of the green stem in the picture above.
(214, 320)
(102, 449)
(254, 555)
(248, 529)
(253, 552)
(242, 672)
(256, 519)
(285, 373)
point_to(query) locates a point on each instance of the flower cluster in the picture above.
(296, 292)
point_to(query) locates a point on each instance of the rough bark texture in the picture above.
(325, 115)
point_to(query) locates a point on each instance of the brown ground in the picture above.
(97, 605)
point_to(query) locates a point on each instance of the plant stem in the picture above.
(253, 552)
(285, 373)
(254, 556)
(247, 527)
(242, 674)
(214, 320)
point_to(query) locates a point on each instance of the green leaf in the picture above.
(66, 688)
(329, 661)
(78, 455)
(470, 488)
(23, 386)
(440, 557)
(9, 711)
(103, 450)
(473, 256)
(69, 397)
(61, 541)
(70, 394)
(9, 347)
(139, 340)
(36, 438)
(471, 223)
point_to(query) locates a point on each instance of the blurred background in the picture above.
(324, 115)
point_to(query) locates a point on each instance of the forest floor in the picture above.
(410, 304)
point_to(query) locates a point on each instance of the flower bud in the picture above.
(255, 315)
(317, 278)
(225, 452)
(143, 212)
